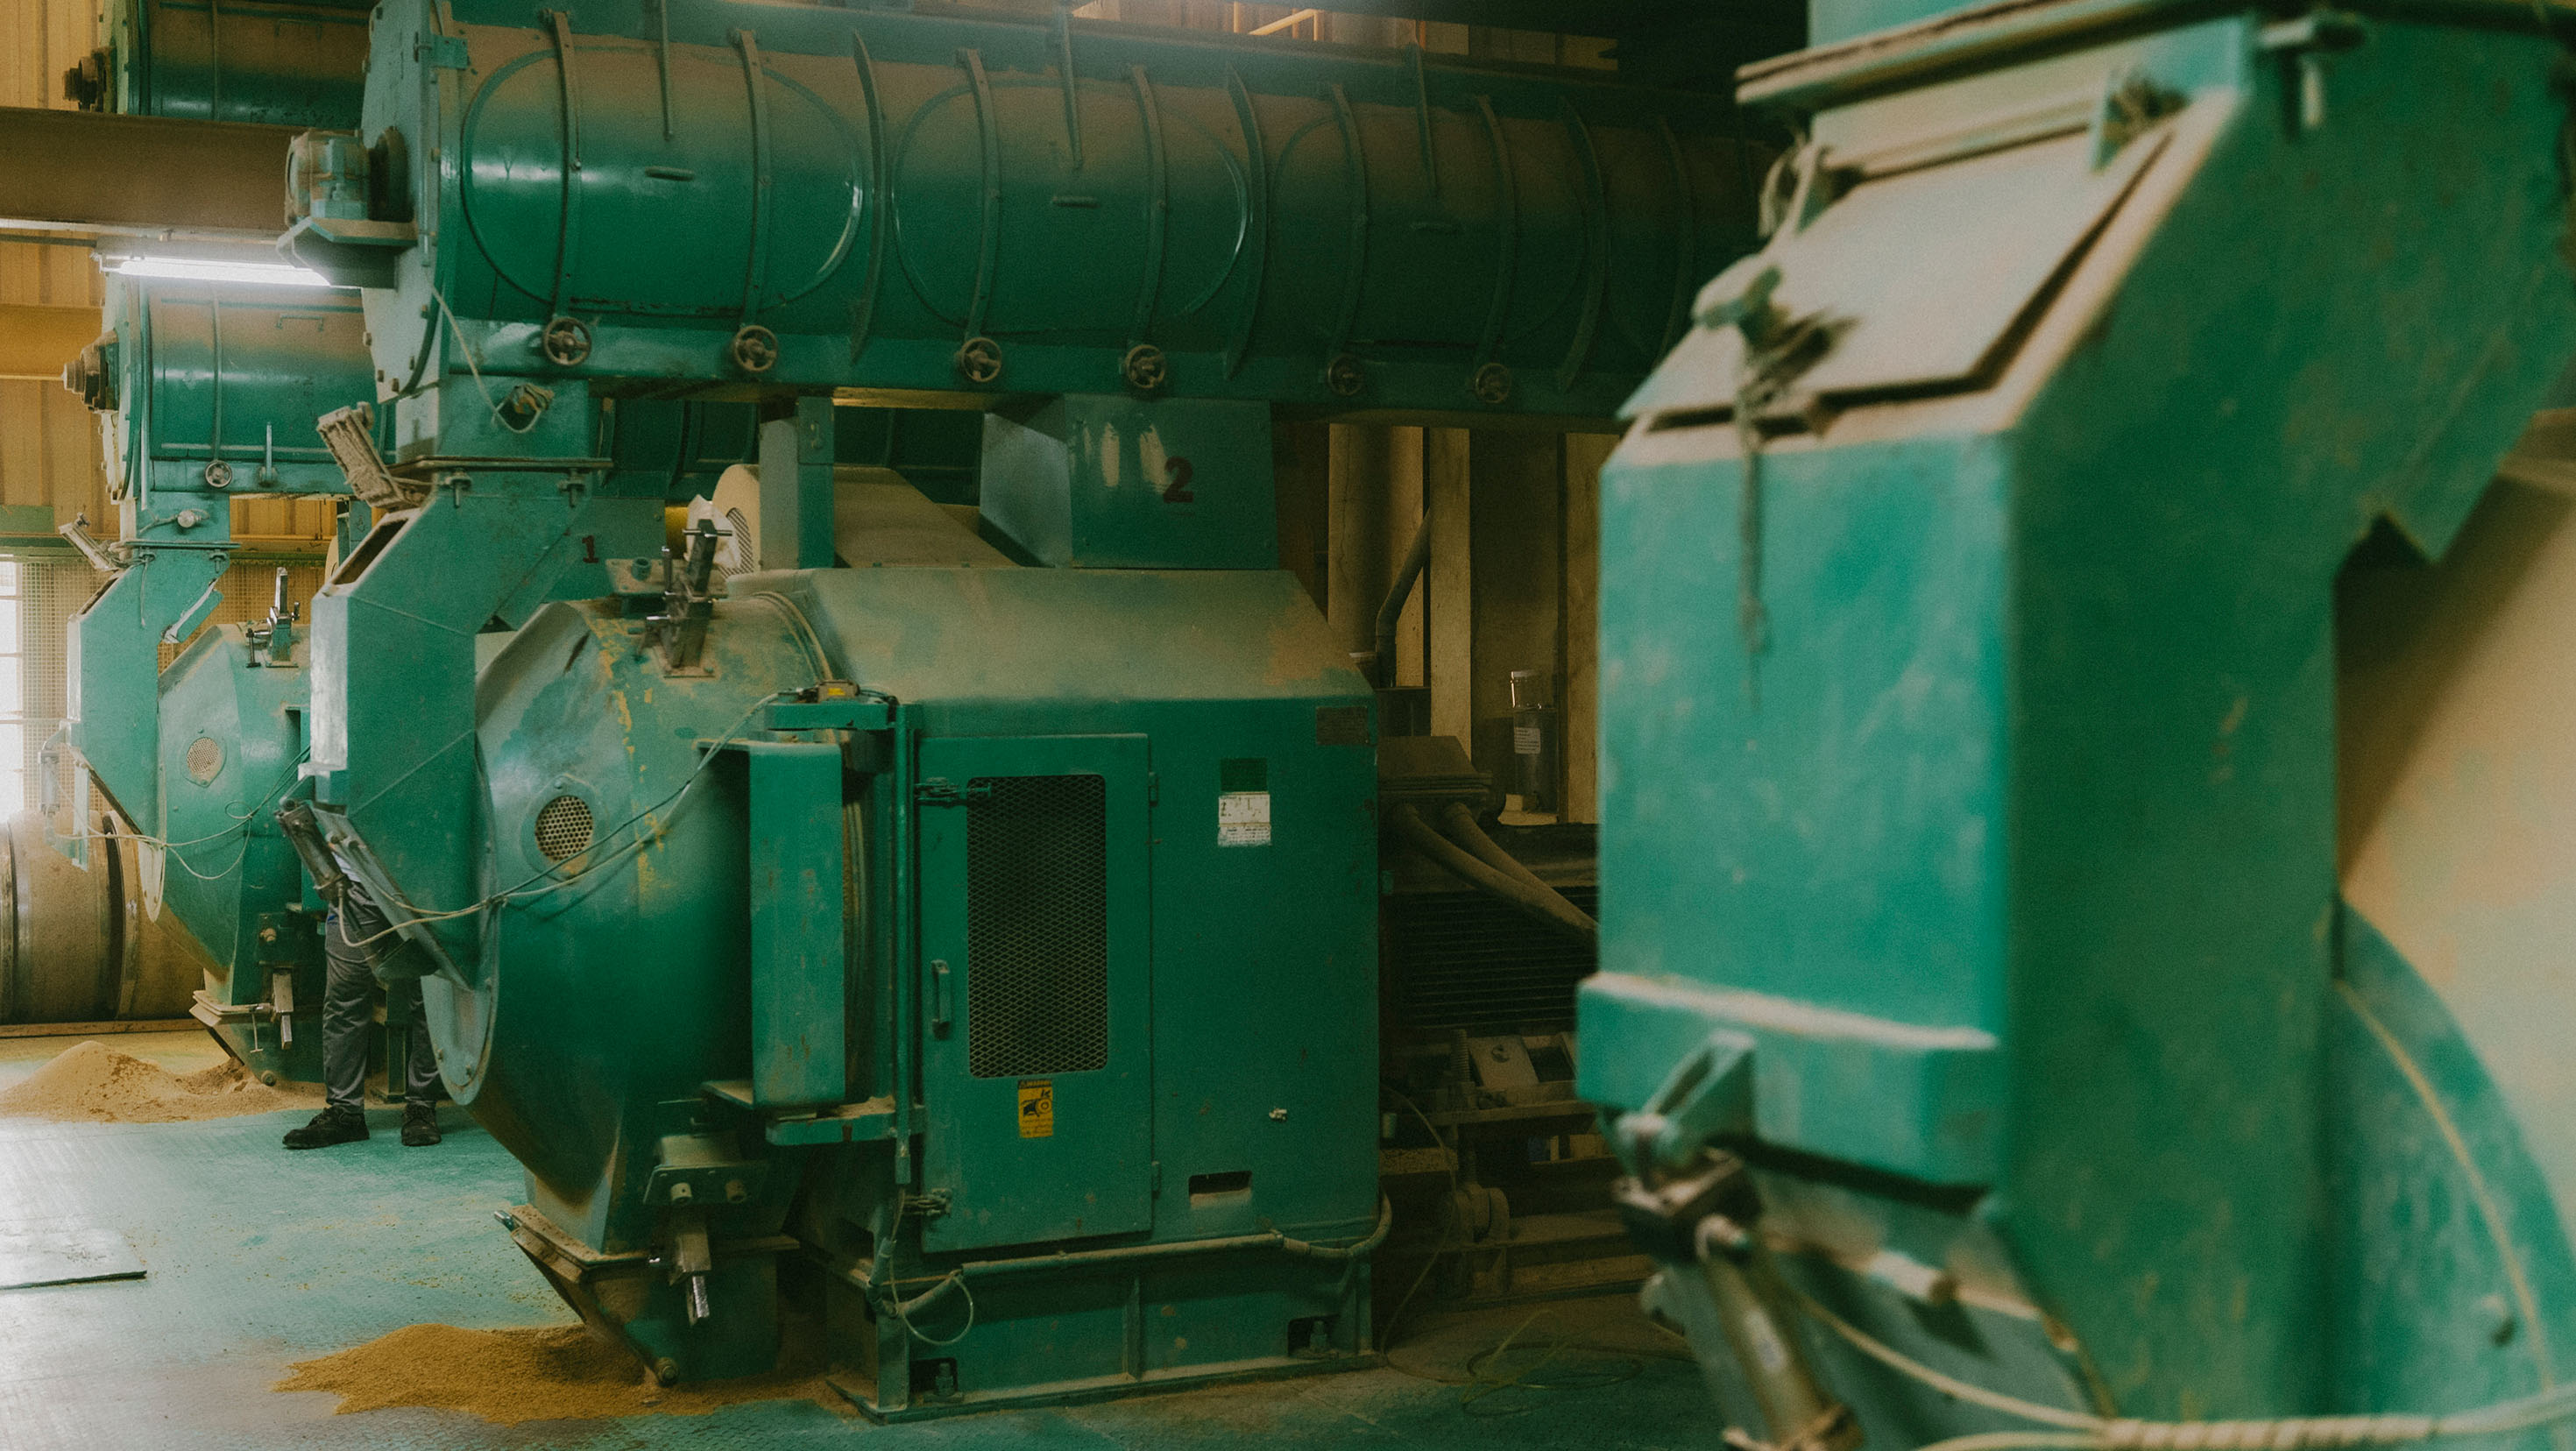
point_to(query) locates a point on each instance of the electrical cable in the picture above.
(2077, 1431)
(1621, 1364)
(518, 891)
(903, 1310)
(2481, 1196)
(1619, 1370)
(1449, 1166)
(1479, 1384)
(240, 827)
(1948, 1385)
(545, 396)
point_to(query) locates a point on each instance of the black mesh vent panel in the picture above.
(1037, 925)
(1464, 960)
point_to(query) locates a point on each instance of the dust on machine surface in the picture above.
(980, 924)
(2083, 859)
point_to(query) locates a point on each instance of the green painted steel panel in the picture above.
(112, 669)
(1040, 1123)
(1096, 482)
(800, 959)
(1236, 978)
(1992, 702)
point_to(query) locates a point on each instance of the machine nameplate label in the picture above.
(1037, 1108)
(1243, 818)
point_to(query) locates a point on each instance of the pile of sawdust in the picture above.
(94, 1081)
(560, 1373)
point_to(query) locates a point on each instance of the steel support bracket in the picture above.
(799, 924)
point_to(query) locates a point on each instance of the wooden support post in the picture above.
(1452, 600)
(1581, 705)
(90, 170)
(37, 339)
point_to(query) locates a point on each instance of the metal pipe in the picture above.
(1362, 1249)
(1459, 824)
(1544, 903)
(1129, 1254)
(1391, 613)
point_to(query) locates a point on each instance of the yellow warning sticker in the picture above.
(1037, 1108)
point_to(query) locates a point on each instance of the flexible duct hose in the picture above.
(1459, 824)
(1536, 899)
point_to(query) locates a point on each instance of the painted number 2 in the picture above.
(1177, 491)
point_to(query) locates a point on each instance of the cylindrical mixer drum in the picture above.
(74, 944)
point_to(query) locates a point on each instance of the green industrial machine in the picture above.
(231, 744)
(1508, 244)
(1104, 1139)
(1981, 1024)
(211, 392)
(991, 946)
(275, 62)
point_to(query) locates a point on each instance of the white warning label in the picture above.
(1243, 818)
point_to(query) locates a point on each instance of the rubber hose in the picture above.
(1459, 825)
(1359, 1251)
(1543, 904)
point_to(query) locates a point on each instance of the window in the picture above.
(16, 746)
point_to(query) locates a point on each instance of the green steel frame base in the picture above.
(853, 1385)
(253, 1041)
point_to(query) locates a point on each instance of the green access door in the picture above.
(1035, 962)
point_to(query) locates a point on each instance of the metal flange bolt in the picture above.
(754, 349)
(979, 360)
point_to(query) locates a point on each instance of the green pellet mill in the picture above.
(987, 948)
(2080, 886)
(211, 392)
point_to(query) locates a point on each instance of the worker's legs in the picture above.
(354, 938)
(348, 1000)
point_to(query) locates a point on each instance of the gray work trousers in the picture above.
(348, 1005)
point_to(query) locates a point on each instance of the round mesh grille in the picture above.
(205, 758)
(563, 828)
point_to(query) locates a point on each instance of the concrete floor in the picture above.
(258, 1257)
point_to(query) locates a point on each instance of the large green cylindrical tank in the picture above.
(214, 387)
(273, 62)
(821, 197)
(213, 390)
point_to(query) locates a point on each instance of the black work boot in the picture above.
(337, 1124)
(420, 1125)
